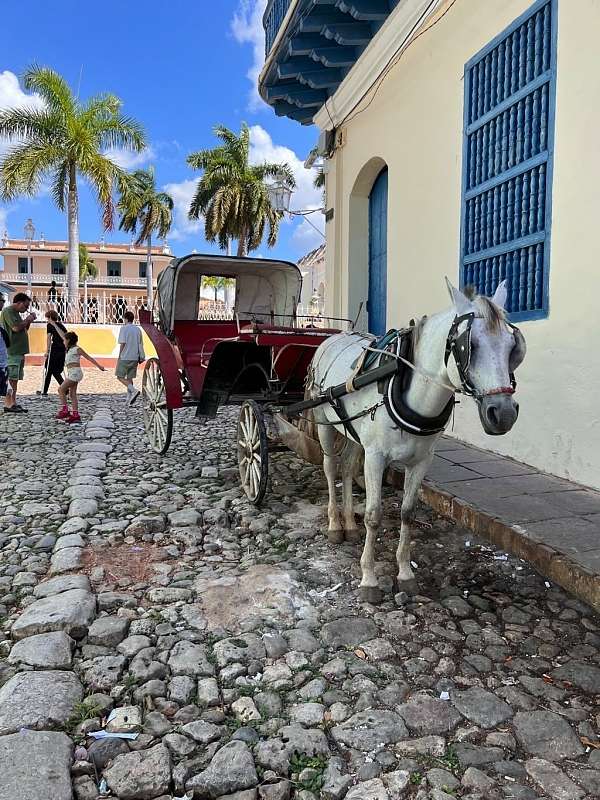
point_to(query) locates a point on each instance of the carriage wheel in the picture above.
(158, 419)
(253, 455)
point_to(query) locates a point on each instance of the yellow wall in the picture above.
(100, 341)
(414, 125)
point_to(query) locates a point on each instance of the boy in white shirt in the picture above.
(131, 354)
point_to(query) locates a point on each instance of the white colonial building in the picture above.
(463, 141)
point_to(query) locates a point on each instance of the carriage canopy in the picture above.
(263, 287)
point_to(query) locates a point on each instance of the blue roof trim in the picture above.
(321, 43)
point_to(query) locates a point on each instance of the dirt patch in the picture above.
(123, 562)
(264, 591)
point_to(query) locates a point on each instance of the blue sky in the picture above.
(180, 68)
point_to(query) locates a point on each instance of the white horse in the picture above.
(469, 348)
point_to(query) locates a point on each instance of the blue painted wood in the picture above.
(508, 142)
(377, 302)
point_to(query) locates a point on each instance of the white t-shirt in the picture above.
(131, 336)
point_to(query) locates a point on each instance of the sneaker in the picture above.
(20, 410)
(64, 413)
(134, 396)
(73, 418)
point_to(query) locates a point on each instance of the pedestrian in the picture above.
(55, 351)
(68, 388)
(131, 354)
(4, 342)
(52, 293)
(18, 346)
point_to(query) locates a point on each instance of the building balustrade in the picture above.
(99, 280)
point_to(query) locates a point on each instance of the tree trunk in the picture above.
(149, 287)
(73, 265)
(242, 244)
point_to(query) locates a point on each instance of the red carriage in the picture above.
(256, 356)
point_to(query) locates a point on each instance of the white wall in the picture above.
(414, 125)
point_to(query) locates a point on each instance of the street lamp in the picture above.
(280, 196)
(29, 234)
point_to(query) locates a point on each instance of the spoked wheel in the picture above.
(158, 419)
(253, 454)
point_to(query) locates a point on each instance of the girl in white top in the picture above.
(74, 375)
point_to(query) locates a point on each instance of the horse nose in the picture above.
(498, 413)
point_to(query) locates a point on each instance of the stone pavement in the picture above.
(143, 597)
(553, 523)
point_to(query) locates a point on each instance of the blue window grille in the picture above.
(507, 163)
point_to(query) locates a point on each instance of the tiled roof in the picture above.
(95, 248)
(316, 255)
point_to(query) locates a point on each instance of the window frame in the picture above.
(108, 268)
(24, 259)
(144, 265)
(544, 311)
(62, 267)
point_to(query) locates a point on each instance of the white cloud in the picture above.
(305, 196)
(127, 159)
(247, 28)
(182, 194)
(12, 96)
(4, 212)
(306, 237)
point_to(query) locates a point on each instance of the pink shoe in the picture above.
(64, 413)
(73, 418)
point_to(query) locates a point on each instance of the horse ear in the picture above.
(500, 295)
(462, 304)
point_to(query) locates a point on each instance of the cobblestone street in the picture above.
(162, 638)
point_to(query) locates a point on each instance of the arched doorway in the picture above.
(377, 301)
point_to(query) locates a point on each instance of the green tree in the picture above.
(145, 211)
(87, 265)
(216, 283)
(233, 195)
(61, 141)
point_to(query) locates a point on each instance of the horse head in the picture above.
(482, 353)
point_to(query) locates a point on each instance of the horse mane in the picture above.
(492, 314)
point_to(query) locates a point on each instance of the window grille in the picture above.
(23, 265)
(507, 163)
(113, 269)
(57, 267)
(142, 269)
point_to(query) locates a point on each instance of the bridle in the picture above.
(459, 346)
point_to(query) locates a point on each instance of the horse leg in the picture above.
(374, 467)
(335, 532)
(412, 481)
(349, 466)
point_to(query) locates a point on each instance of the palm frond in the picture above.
(51, 87)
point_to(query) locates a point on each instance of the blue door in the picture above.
(377, 304)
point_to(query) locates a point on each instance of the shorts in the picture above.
(3, 381)
(15, 367)
(74, 374)
(126, 369)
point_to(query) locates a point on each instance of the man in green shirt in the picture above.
(18, 346)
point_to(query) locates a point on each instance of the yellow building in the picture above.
(119, 284)
(461, 140)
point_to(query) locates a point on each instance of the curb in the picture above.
(553, 564)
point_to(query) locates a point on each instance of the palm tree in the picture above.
(233, 195)
(217, 283)
(143, 208)
(87, 269)
(64, 140)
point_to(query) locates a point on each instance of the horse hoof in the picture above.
(409, 586)
(335, 537)
(352, 535)
(371, 594)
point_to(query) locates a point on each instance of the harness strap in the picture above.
(338, 407)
